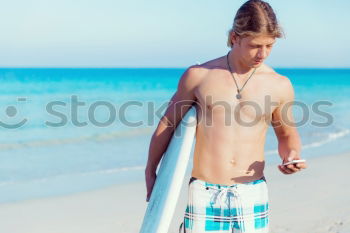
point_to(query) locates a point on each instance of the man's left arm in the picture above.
(289, 143)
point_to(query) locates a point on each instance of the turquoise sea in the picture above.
(71, 130)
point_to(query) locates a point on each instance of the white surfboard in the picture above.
(170, 176)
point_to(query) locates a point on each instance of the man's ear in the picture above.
(234, 38)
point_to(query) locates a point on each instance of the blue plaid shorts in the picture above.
(218, 208)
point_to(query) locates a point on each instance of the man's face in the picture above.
(254, 49)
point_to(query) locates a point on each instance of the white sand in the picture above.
(316, 200)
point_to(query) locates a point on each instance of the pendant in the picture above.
(238, 96)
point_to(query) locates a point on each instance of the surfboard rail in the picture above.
(170, 177)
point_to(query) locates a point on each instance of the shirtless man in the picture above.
(237, 97)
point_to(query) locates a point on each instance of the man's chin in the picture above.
(256, 65)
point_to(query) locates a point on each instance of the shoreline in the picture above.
(315, 200)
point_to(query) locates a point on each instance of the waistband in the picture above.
(260, 180)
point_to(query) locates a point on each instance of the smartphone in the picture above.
(295, 161)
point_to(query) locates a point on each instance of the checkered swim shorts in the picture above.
(218, 208)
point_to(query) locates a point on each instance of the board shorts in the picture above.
(215, 208)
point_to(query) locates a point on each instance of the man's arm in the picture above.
(289, 143)
(179, 104)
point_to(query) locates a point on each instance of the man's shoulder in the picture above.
(198, 72)
(194, 73)
(193, 76)
(218, 62)
(275, 76)
(203, 69)
(280, 85)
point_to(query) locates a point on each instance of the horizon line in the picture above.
(152, 67)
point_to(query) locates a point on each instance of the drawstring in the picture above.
(181, 227)
(224, 192)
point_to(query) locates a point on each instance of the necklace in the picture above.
(238, 95)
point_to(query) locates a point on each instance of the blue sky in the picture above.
(110, 33)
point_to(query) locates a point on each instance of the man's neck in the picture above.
(237, 65)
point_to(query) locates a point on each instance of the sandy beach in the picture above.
(86, 84)
(315, 200)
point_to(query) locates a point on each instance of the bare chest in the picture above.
(217, 99)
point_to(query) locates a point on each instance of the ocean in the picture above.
(67, 130)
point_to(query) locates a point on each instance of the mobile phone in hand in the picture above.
(295, 161)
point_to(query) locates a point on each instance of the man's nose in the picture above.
(262, 54)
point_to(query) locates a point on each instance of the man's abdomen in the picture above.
(236, 159)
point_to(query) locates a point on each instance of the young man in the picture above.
(237, 96)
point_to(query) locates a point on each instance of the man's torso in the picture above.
(230, 135)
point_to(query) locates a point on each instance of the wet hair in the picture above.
(255, 17)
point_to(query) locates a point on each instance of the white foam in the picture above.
(330, 137)
(49, 178)
(62, 141)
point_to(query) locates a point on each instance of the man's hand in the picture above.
(150, 180)
(292, 168)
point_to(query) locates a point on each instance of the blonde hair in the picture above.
(255, 17)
